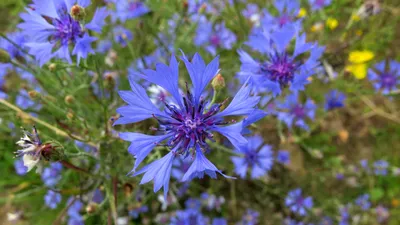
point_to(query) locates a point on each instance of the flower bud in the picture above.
(70, 115)
(77, 12)
(69, 99)
(52, 151)
(4, 56)
(91, 207)
(33, 94)
(218, 83)
(52, 67)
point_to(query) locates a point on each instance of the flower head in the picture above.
(363, 202)
(297, 203)
(128, 9)
(52, 174)
(283, 157)
(52, 26)
(52, 199)
(186, 123)
(250, 218)
(293, 112)
(334, 99)
(385, 80)
(31, 151)
(282, 68)
(256, 156)
(187, 217)
(122, 36)
(319, 4)
(20, 169)
(214, 37)
(381, 167)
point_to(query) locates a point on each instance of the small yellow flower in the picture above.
(358, 70)
(317, 27)
(355, 18)
(359, 32)
(332, 23)
(302, 13)
(356, 57)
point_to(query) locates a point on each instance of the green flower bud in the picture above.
(52, 151)
(4, 56)
(78, 13)
(218, 83)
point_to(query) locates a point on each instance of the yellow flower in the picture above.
(358, 70)
(355, 18)
(356, 57)
(332, 23)
(359, 32)
(302, 13)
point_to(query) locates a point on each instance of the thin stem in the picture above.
(39, 121)
(61, 215)
(223, 148)
(73, 167)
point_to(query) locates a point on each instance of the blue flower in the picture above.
(297, 203)
(319, 4)
(249, 218)
(193, 205)
(186, 123)
(74, 212)
(256, 156)
(344, 215)
(122, 36)
(20, 169)
(219, 221)
(385, 80)
(363, 202)
(188, 218)
(334, 99)
(214, 37)
(19, 39)
(287, 16)
(52, 175)
(283, 157)
(134, 213)
(381, 167)
(282, 68)
(293, 112)
(51, 29)
(52, 199)
(128, 9)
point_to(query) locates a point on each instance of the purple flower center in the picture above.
(280, 69)
(300, 201)
(134, 5)
(320, 3)
(67, 29)
(190, 125)
(251, 157)
(298, 111)
(388, 81)
(215, 40)
(284, 19)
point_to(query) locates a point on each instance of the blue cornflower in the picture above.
(385, 80)
(51, 175)
(19, 39)
(193, 205)
(256, 156)
(297, 203)
(98, 196)
(73, 212)
(282, 68)
(128, 9)
(363, 202)
(134, 213)
(52, 199)
(20, 169)
(249, 218)
(344, 215)
(180, 167)
(287, 16)
(52, 26)
(381, 167)
(122, 36)
(293, 112)
(283, 157)
(334, 99)
(212, 201)
(214, 37)
(219, 221)
(31, 151)
(186, 122)
(188, 218)
(319, 4)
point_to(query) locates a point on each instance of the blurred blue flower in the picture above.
(252, 12)
(363, 202)
(214, 37)
(319, 4)
(334, 99)
(219, 221)
(282, 68)
(19, 39)
(51, 29)
(385, 80)
(52, 199)
(134, 213)
(381, 167)
(344, 215)
(52, 175)
(292, 112)
(186, 122)
(20, 169)
(283, 157)
(249, 218)
(212, 202)
(179, 167)
(256, 156)
(297, 203)
(382, 214)
(127, 9)
(193, 205)
(122, 36)
(188, 218)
